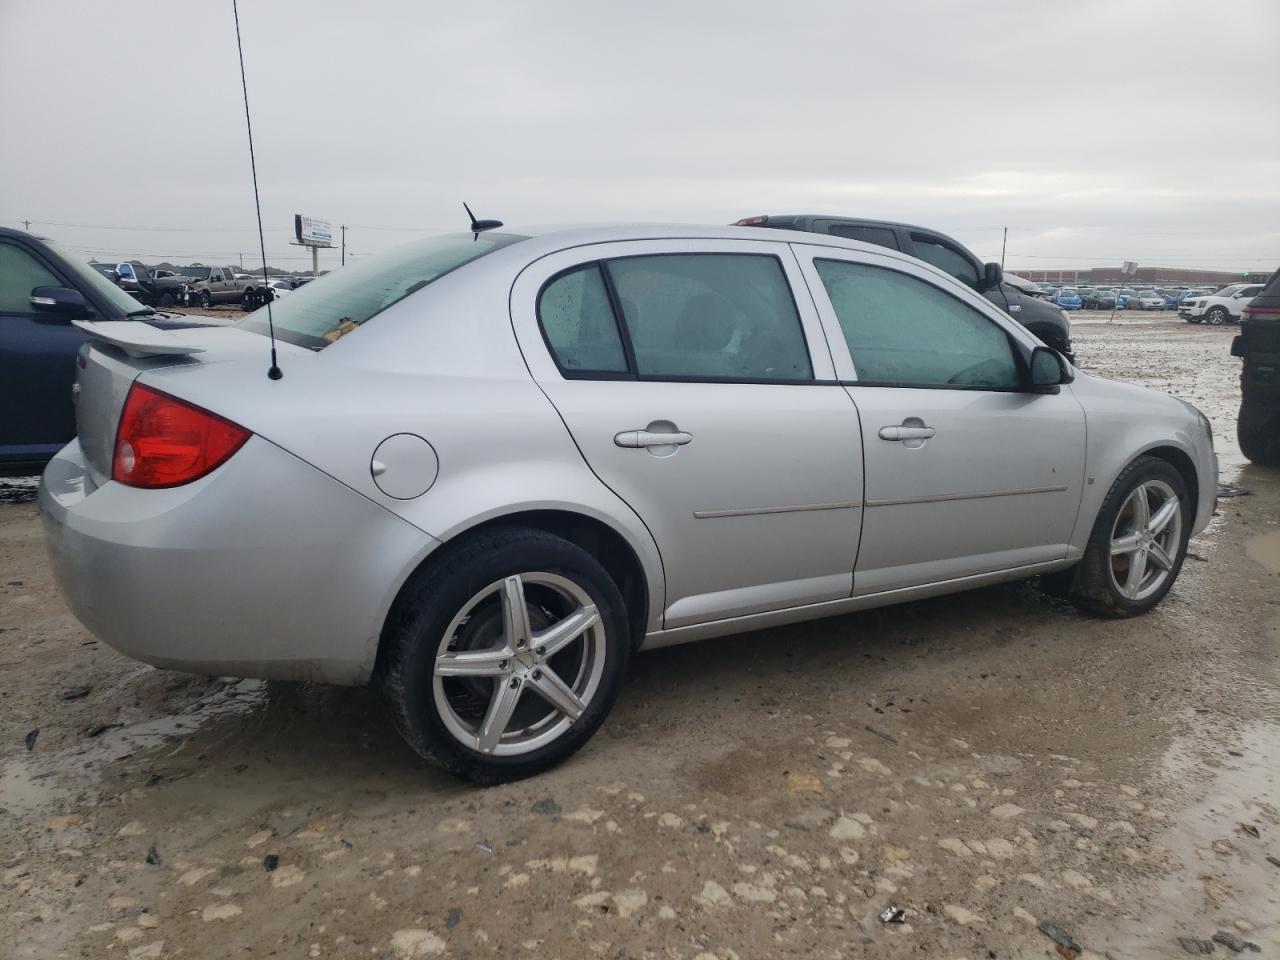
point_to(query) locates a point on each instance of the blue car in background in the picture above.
(42, 289)
(1068, 298)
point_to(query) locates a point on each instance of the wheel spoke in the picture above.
(494, 662)
(559, 635)
(1137, 572)
(1160, 519)
(548, 685)
(1160, 557)
(1126, 544)
(1141, 508)
(515, 615)
(503, 704)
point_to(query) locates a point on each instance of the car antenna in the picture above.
(477, 226)
(273, 372)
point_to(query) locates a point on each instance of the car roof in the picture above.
(559, 236)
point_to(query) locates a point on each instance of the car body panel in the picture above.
(997, 487)
(297, 588)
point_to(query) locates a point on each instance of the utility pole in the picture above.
(1003, 244)
(241, 256)
(26, 225)
(344, 245)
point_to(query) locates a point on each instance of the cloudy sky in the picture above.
(1095, 131)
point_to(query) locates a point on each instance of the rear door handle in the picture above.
(645, 438)
(906, 433)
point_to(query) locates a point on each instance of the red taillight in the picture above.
(164, 442)
(1252, 313)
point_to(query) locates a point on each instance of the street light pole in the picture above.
(344, 245)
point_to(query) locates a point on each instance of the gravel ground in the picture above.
(998, 767)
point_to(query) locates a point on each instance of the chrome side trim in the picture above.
(981, 495)
(796, 508)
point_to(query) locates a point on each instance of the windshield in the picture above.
(338, 303)
(102, 287)
(199, 273)
(1067, 292)
(1228, 291)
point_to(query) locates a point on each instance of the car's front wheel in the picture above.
(206, 299)
(1259, 436)
(1217, 316)
(504, 656)
(1138, 543)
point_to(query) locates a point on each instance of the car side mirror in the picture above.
(59, 300)
(1048, 370)
(992, 274)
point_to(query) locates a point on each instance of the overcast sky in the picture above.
(1096, 131)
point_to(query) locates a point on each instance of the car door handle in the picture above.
(646, 438)
(905, 432)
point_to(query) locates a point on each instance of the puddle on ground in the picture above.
(1218, 875)
(1265, 549)
(32, 782)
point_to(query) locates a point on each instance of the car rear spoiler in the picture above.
(137, 339)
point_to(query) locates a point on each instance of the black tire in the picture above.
(1095, 592)
(1217, 316)
(436, 595)
(247, 299)
(1259, 436)
(206, 299)
(166, 299)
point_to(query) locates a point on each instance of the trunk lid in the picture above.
(119, 351)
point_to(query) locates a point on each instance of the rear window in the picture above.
(325, 310)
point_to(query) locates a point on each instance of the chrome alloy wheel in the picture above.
(1145, 540)
(534, 632)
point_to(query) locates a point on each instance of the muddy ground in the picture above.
(987, 763)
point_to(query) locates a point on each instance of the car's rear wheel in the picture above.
(504, 657)
(1138, 543)
(1259, 436)
(1217, 316)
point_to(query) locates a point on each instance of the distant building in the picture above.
(1171, 276)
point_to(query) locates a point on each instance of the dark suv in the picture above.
(1045, 320)
(1258, 344)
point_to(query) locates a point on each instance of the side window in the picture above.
(578, 322)
(19, 274)
(903, 331)
(946, 258)
(881, 236)
(713, 315)
(215, 276)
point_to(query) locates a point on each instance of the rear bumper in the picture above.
(264, 568)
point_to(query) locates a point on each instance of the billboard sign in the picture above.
(311, 232)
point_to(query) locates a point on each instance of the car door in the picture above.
(37, 361)
(696, 381)
(967, 472)
(217, 286)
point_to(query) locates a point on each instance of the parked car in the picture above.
(1046, 321)
(213, 285)
(43, 288)
(139, 281)
(280, 287)
(707, 424)
(1026, 286)
(1122, 298)
(1144, 300)
(1068, 299)
(1100, 300)
(1185, 295)
(1258, 345)
(1221, 307)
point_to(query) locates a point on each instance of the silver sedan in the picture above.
(496, 465)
